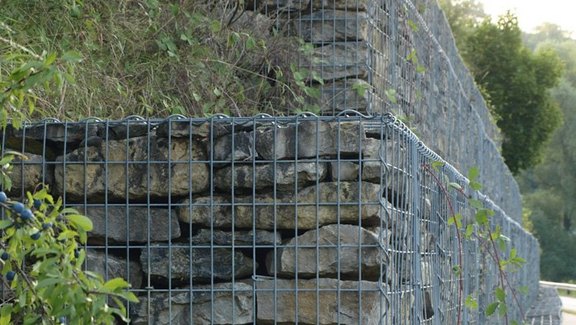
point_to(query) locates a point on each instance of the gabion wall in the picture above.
(310, 220)
(397, 56)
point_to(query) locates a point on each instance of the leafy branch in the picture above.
(492, 241)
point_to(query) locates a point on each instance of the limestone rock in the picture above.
(58, 132)
(246, 237)
(317, 206)
(360, 5)
(243, 147)
(329, 251)
(343, 94)
(272, 6)
(319, 301)
(325, 25)
(120, 224)
(339, 61)
(200, 264)
(28, 173)
(135, 169)
(310, 139)
(218, 307)
(283, 174)
(100, 262)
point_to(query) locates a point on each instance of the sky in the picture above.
(532, 13)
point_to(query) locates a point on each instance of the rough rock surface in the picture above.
(219, 307)
(128, 169)
(283, 174)
(201, 264)
(310, 139)
(28, 173)
(338, 302)
(317, 206)
(110, 267)
(121, 224)
(329, 251)
(332, 26)
(244, 238)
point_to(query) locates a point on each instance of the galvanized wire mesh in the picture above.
(303, 219)
(389, 56)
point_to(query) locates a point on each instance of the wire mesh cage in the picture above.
(303, 219)
(333, 219)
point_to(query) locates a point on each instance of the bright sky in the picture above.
(532, 13)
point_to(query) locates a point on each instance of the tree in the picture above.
(549, 188)
(463, 16)
(517, 83)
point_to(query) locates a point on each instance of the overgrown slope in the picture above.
(156, 58)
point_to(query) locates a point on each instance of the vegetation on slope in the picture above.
(156, 58)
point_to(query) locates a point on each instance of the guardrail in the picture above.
(558, 285)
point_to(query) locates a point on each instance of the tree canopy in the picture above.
(514, 80)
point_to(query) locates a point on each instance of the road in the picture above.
(568, 303)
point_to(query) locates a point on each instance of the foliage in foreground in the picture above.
(42, 265)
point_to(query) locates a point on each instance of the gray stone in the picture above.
(201, 264)
(27, 173)
(57, 132)
(176, 128)
(338, 61)
(310, 139)
(344, 170)
(243, 147)
(122, 224)
(127, 169)
(332, 26)
(329, 251)
(317, 206)
(319, 301)
(222, 303)
(117, 267)
(246, 237)
(271, 6)
(359, 5)
(342, 95)
(283, 174)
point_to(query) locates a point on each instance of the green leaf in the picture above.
(469, 231)
(523, 290)
(475, 186)
(81, 222)
(476, 204)
(116, 283)
(473, 173)
(48, 282)
(500, 294)
(457, 270)
(456, 220)
(5, 223)
(492, 308)
(72, 56)
(455, 186)
(471, 303)
(391, 95)
(502, 309)
(482, 217)
(6, 314)
(436, 165)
